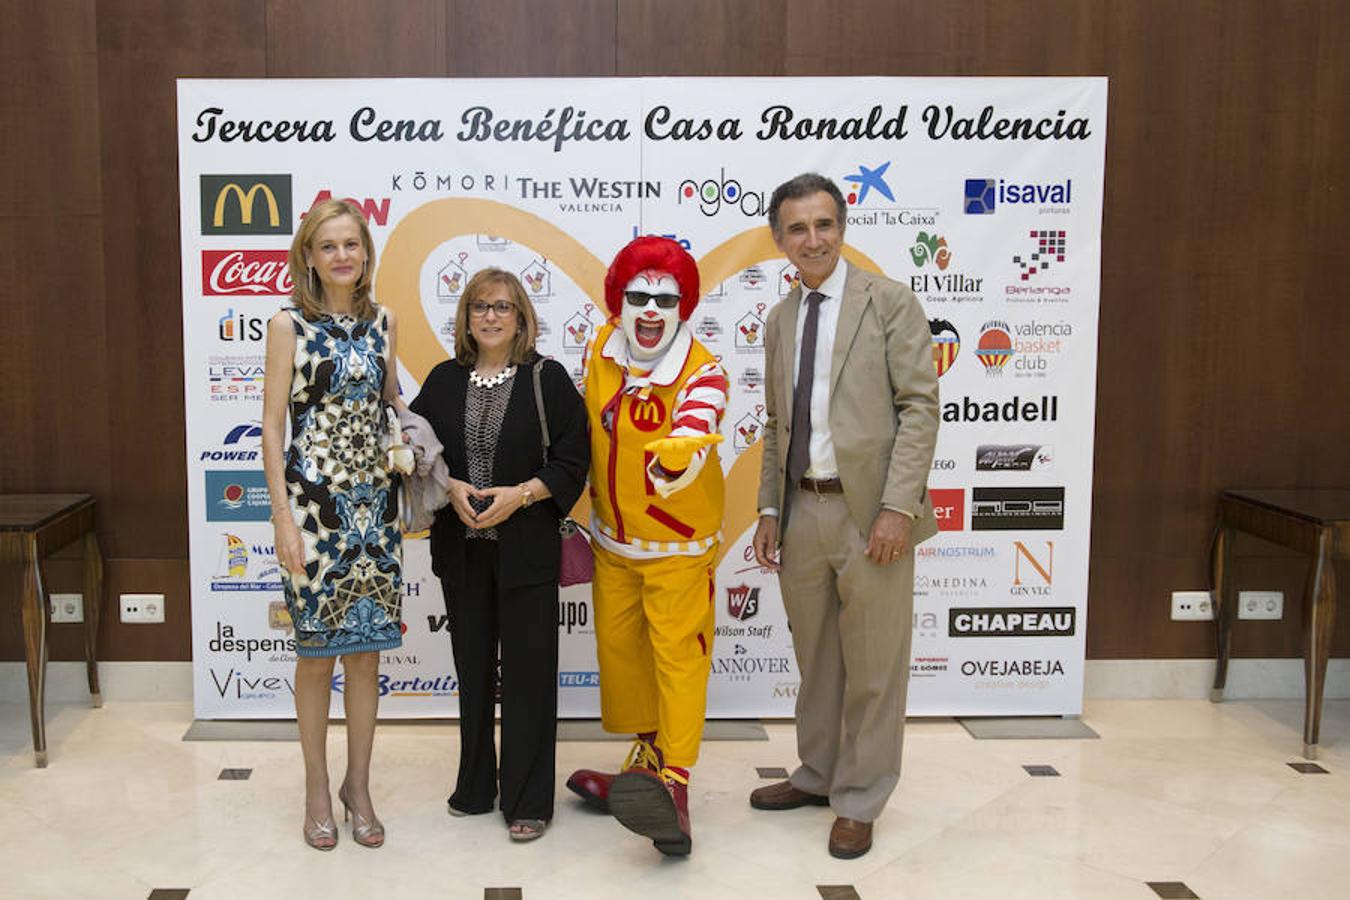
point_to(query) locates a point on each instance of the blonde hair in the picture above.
(522, 345)
(307, 293)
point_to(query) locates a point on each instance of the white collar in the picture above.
(833, 286)
(668, 367)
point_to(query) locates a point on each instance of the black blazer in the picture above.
(530, 545)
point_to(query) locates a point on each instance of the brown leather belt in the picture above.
(822, 485)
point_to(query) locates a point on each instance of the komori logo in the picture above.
(240, 444)
(946, 344)
(245, 204)
(715, 194)
(743, 602)
(868, 180)
(984, 195)
(248, 273)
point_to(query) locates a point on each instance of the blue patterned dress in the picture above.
(349, 598)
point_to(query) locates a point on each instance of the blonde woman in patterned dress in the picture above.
(330, 371)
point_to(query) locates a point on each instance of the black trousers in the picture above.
(524, 621)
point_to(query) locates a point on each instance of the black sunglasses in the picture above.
(665, 301)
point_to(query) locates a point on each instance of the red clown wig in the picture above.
(658, 253)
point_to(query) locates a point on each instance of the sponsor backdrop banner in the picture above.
(983, 195)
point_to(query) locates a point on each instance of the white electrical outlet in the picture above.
(142, 609)
(1260, 604)
(1192, 606)
(67, 607)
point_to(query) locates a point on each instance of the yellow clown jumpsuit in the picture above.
(654, 554)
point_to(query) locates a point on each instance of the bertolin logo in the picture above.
(946, 344)
(246, 204)
(1003, 621)
(743, 602)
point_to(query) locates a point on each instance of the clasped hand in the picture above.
(504, 502)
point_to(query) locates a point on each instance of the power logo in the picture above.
(647, 414)
(246, 204)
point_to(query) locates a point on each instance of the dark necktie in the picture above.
(799, 446)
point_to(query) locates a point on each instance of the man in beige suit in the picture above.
(852, 401)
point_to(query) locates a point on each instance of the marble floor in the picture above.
(1174, 791)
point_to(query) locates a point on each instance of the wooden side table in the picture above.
(31, 527)
(1315, 522)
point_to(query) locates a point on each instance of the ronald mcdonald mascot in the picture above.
(655, 398)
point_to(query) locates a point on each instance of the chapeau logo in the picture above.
(1053, 621)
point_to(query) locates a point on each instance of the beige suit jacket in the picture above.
(883, 401)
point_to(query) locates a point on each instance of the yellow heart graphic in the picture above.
(432, 224)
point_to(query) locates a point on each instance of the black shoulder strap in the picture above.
(539, 403)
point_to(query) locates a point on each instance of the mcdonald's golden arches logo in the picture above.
(246, 204)
(647, 413)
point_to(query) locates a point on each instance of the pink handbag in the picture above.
(578, 562)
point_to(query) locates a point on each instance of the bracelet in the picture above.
(526, 497)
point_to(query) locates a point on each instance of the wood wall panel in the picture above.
(566, 38)
(701, 37)
(355, 39)
(1223, 236)
(142, 48)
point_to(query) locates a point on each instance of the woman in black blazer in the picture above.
(496, 546)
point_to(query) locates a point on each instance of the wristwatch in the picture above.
(526, 497)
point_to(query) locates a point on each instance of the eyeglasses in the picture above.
(502, 308)
(665, 301)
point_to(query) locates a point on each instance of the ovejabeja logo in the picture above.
(1012, 668)
(246, 204)
(1016, 509)
(715, 194)
(1033, 576)
(743, 602)
(1049, 248)
(1014, 409)
(930, 248)
(995, 347)
(240, 445)
(946, 344)
(983, 195)
(250, 273)
(1004, 621)
(949, 506)
(1014, 457)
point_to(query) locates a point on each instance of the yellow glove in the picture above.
(675, 453)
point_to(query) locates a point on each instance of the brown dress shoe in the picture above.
(784, 796)
(850, 838)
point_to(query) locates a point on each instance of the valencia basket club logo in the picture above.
(995, 348)
(246, 204)
(946, 344)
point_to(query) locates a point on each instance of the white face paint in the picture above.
(649, 327)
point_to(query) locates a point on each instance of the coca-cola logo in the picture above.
(252, 273)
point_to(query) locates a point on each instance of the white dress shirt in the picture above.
(822, 464)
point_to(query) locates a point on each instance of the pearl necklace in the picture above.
(500, 378)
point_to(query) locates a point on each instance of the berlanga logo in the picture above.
(249, 273)
(995, 347)
(246, 204)
(946, 344)
(1003, 621)
(1048, 247)
(743, 602)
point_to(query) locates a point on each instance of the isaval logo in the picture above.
(946, 344)
(246, 204)
(984, 195)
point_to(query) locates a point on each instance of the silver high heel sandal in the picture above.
(366, 832)
(320, 835)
